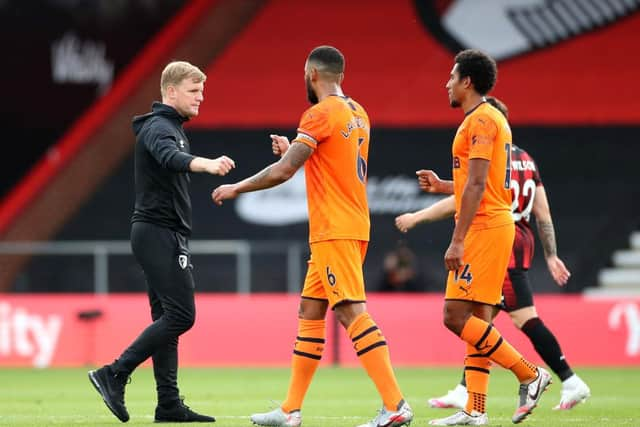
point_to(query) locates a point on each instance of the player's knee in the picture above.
(530, 325)
(343, 318)
(189, 321)
(454, 321)
(185, 324)
(181, 322)
(347, 312)
(522, 316)
(312, 309)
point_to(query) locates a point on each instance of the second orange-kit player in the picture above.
(333, 145)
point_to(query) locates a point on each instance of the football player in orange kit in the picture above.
(480, 248)
(333, 144)
(529, 197)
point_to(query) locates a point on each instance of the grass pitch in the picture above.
(338, 397)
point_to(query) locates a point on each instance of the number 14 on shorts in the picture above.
(463, 273)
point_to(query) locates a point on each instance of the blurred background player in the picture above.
(529, 197)
(160, 228)
(482, 240)
(399, 273)
(333, 144)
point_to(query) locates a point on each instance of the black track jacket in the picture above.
(161, 170)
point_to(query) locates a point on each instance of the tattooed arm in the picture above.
(278, 172)
(547, 236)
(272, 175)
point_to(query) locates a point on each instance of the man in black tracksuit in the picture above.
(161, 225)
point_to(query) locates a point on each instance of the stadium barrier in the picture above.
(259, 329)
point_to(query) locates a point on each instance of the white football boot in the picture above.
(456, 398)
(574, 391)
(529, 395)
(462, 419)
(278, 418)
(385, 418)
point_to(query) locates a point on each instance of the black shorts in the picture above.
(516, 290)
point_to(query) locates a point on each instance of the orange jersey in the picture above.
(337, 128)
(485, 134)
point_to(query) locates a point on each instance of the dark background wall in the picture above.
(586, 156)
(590, 174)
(98, 37)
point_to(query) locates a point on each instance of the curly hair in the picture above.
(479, 67)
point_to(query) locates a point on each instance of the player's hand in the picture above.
(220, 166)
(279, 144)
(224, 192)
(405, 222)
(453, 256)
(429, 181)
(558, 271)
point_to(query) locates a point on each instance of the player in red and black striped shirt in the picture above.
(529, 197)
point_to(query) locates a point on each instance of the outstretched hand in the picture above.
(279, 144)
(224, 192)
(405, 222)
(558, 271)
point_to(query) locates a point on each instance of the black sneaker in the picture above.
(180, 413)
(110, 385)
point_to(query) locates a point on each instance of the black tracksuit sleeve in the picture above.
(163, 149)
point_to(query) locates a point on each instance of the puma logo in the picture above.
(484, 347)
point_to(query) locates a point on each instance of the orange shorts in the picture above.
(334, 271)
(486, 257)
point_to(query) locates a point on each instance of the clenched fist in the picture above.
(220, 166)
(279, 144)
(429, 181)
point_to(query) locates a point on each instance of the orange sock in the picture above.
(476, 373)
(488, 341)
(307, 353)
(373, 352)
(524, 369)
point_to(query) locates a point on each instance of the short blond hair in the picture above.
(175, 72)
